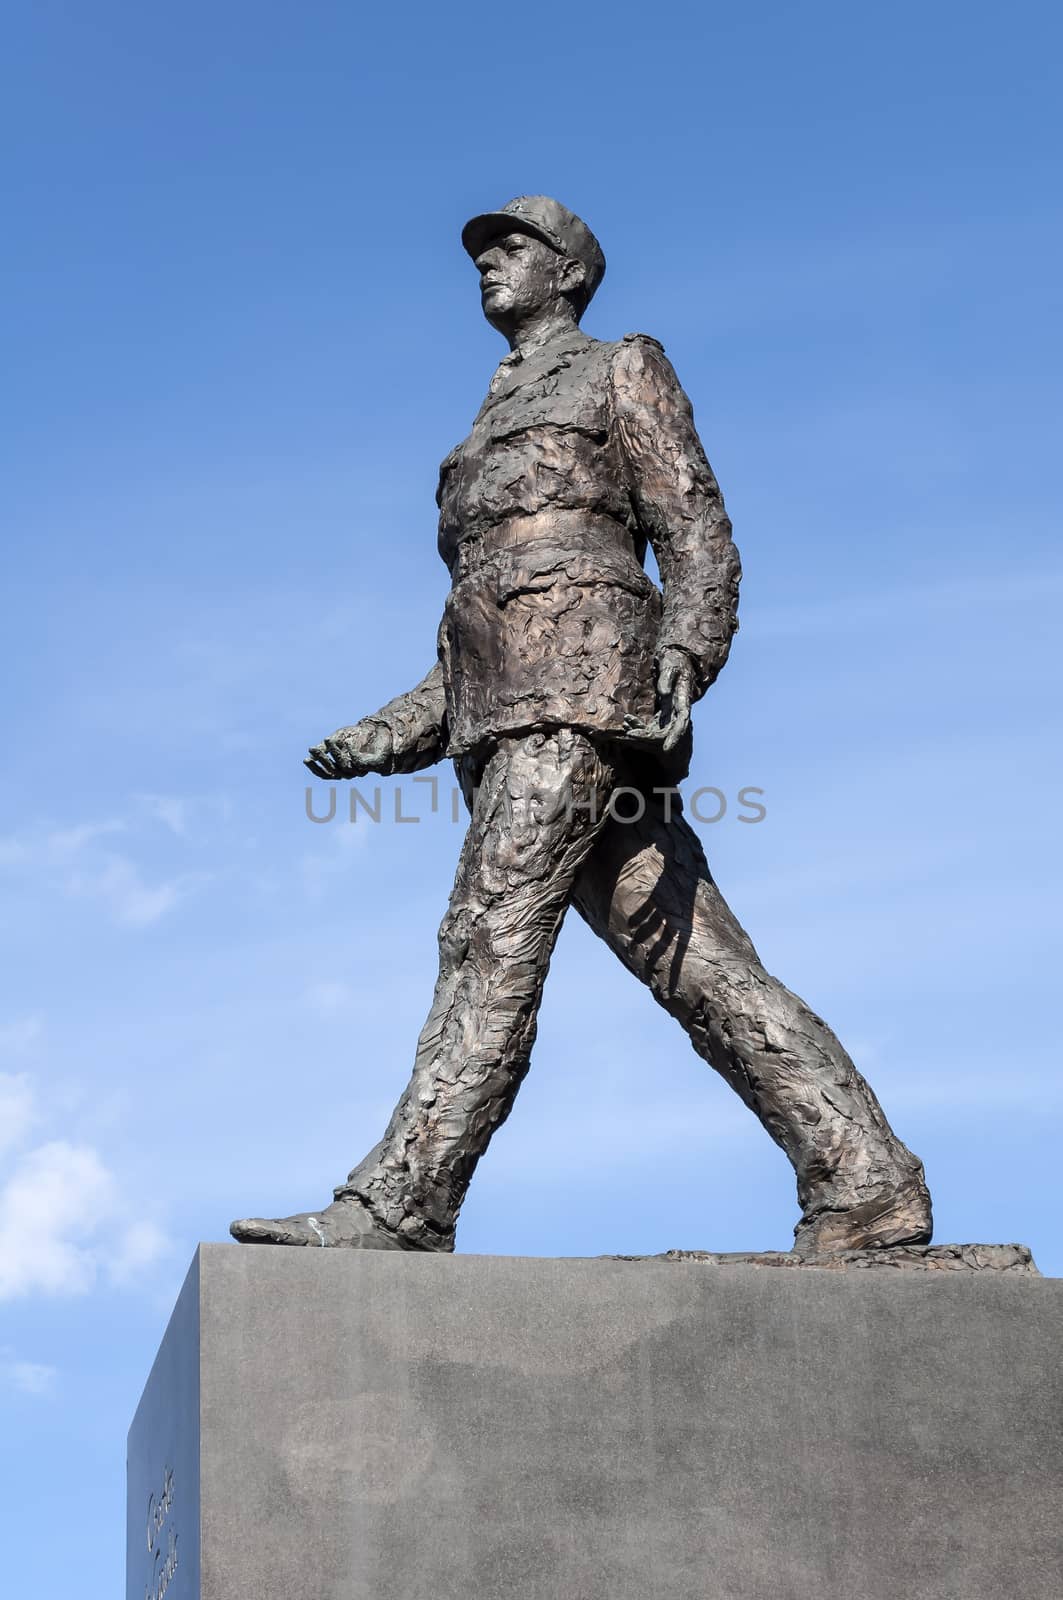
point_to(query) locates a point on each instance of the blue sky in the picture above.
(240, 335)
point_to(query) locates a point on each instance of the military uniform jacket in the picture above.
(582, 452)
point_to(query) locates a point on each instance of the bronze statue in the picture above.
(564, 675)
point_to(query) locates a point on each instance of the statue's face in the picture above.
(519, 276)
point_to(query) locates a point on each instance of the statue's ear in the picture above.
(573, 276)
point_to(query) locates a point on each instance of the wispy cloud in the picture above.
(168, 809)
(139, 1245)
(17, 1112)
(16, 1109)
(119, 884)
(26, 1377)
(51, 847)
(76, 861)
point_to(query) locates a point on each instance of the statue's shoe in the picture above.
(894, 1216)
(345, 1224)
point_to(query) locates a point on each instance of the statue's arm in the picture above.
(415, 722)
(407, 734)
(680, 508)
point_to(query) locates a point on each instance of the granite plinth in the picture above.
(331, 1425)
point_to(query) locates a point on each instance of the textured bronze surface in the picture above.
(562, 675)
(905, 1257)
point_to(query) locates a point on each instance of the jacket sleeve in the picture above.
(678, 505)
(416, 722)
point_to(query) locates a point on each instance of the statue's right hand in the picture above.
(352, 752)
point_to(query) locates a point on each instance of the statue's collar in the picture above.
(525, 365)
(566, 336)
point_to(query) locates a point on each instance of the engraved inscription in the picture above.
(162, 1538)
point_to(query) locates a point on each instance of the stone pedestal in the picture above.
(329, 1425)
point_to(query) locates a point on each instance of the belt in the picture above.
(578, 532)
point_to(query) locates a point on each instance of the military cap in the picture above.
(545, 219)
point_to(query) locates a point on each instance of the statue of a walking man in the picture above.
(563, 673)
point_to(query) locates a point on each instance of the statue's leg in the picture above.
(647, 891)
(537, 811)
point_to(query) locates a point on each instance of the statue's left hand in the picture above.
(675, 692)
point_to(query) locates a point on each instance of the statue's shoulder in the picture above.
(637, 353)
(629, 345)
(643, 338)
(638, 364)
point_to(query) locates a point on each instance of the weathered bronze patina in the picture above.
(563, 674)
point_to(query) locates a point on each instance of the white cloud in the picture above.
(50, 1207)
(63, 1219)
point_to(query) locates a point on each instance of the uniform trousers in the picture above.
(542, 837)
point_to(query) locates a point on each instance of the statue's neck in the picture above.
(532, 335)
